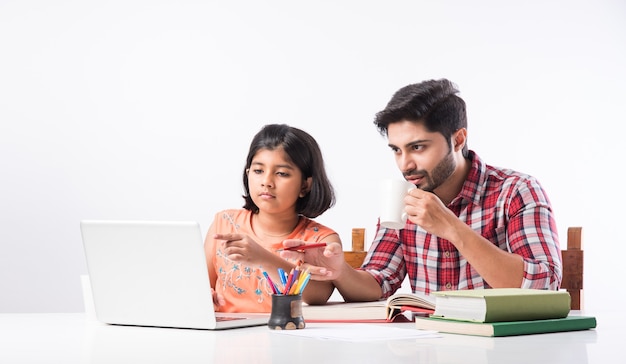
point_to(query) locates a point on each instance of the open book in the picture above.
(376, 311)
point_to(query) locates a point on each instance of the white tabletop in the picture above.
(76, 338)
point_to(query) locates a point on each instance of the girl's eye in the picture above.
(283, 174)
(257, 171)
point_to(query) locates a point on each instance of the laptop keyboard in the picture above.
(228, 318)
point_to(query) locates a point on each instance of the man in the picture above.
(470, 225)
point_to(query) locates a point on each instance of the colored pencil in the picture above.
(304, 246)
(269, 281)
(303, 284)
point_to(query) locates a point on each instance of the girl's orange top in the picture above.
(244, 287)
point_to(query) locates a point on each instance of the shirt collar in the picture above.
(473, 186)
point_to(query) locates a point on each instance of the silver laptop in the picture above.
(153, 273)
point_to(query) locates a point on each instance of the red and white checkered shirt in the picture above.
(508, 208)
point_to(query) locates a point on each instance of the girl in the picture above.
(285, 188)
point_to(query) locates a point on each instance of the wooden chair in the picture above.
(357, 255)
(572, 261)
(573, 266)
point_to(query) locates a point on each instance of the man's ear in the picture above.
(459, 139)
(306, 186)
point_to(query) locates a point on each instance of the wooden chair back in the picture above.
(573, 260)
(356, 256)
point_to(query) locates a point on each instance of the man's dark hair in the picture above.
(433, 102)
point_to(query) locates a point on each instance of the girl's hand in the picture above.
(218, 299)
(323, 263)
(242, 248)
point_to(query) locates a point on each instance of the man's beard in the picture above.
(442, 171)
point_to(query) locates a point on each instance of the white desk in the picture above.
(75, 338)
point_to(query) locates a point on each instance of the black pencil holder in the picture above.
(286, 312)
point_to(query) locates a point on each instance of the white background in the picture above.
(137, 109)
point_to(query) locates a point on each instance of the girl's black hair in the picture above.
(303, 151)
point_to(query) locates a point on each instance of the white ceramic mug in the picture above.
(392, 193)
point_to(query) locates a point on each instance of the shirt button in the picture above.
(446, 254)
(448, 285)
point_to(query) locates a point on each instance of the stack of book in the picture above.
(482, 312)
(503, 312)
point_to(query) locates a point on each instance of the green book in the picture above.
(509, 328)
(501, 304)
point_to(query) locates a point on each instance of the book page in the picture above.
(358, 333)
(412, 299)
